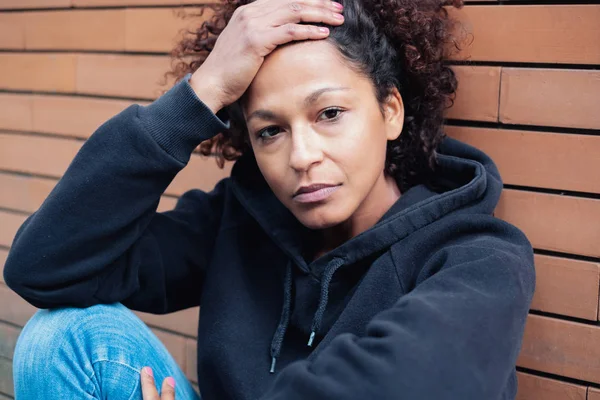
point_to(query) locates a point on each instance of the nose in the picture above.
(306, 149)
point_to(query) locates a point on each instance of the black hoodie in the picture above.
(429, 303)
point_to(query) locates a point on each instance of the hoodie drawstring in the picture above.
(333, 266)
(284, 320)
(285, 317)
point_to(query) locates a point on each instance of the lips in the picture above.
(315, 193)
(313, 188)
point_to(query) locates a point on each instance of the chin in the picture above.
(320, 218)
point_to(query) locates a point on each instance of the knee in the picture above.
(51, 333)
(59, 349)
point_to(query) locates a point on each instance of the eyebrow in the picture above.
(310, 99)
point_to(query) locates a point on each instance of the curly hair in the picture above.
(401, 43)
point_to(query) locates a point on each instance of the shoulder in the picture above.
(475, 243)
(480, 230)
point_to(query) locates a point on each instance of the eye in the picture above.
(270, 131)
(333, 112)
(265, 134)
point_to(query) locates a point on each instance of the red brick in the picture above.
(566, 224)
(37, 154)
(160, 29)
(38, 71)
(16, 112)
(122, 75)
(531, 33)
(8, 339)
(9, 223)
(191, 368)
(184, 321)
(533, 387)
(477, 93)
(11, 4)
(6, 381)
(550, 97)
(175, 345)
(24, 193)
(12, 31)
(75, 30)
(14, 309)
(539, 159)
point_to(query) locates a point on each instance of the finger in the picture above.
(167, 392)
(264, 7)
(296, 11)
(149, 391)
(286, 33)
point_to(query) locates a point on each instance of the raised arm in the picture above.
(97, 238)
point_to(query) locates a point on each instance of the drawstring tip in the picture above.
(272, 370)
(312, 337)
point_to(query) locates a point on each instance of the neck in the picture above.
(383, 195)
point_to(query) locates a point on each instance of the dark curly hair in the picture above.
(401, 43)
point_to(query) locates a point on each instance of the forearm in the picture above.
(106, 198)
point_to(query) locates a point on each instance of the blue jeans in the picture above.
(91, 353)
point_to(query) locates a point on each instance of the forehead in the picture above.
(296, 69)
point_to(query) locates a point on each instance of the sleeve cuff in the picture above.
(179, 121)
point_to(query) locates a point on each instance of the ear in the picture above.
(394, 114)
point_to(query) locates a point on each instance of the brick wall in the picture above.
(529, 97)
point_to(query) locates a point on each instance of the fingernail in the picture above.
(148, 371)
(337, 5)
(338, 16)
(171, 382)
(324, 30)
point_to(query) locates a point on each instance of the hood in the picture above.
(466, 181)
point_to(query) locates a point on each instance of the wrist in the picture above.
(208, 91)
(179, 121)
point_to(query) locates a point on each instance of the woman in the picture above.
(352, 253)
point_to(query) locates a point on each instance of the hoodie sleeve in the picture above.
(456, 335)
(97, 237)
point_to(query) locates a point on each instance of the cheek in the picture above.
(273, 169)
(361, 149)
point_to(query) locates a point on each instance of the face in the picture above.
(313, 120)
